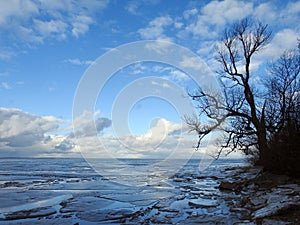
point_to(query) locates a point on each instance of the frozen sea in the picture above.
(71, 191)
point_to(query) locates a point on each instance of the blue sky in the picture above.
(47, 46)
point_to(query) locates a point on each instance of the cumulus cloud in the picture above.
(30, 135)
(158, 133)
(162, 139)
(25, 134)
(19, 128)
(212, 17)
(89, 124)
(93, 128)
(283, 40)
(65, 145)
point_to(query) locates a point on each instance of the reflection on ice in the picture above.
(8, 212)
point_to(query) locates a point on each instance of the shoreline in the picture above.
(233, 195)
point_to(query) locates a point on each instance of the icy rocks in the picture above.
(273, 207)
(33, 210)
(256, 201)
(226, 185)
(201, 202)
(265, 195)
(161, 220)
(177, 179)
(33, 213)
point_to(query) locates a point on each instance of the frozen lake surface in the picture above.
(70, 191)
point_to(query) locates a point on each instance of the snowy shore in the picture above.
(239, 195)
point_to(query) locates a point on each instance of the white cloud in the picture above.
(52, 27)
(155, 29)
(6, 54)
(207, 49)
(94, 128)
(25, 134)
(162, 139)
(161, 69)
(283, 40)
(265, 12)
(292, 8)
(160, 46)
(56, 19)
(5, 86)
(178, 25)
(134, 6)
(161, 84)
(190, 12)
(214, 16)
(159, 132)
(178, 76)
(289, 16)
(164, 84)
(28, 35)
(138, 68)
(77, 61)
(84, 119)
(161, 21)
(90, 124)
(191, 62)
(19, 9)
(81, 25)
(56, 5)
(21, 129)
(209, 21)
(221, 12)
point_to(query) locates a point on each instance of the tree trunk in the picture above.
(264, 151)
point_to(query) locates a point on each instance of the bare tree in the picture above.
(244, 114)
(254, 118)
(283, 113)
